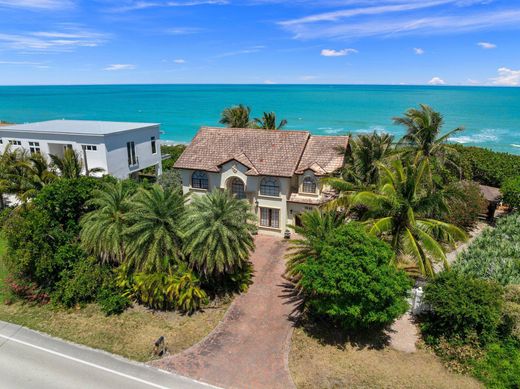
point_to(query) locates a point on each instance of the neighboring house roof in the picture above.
(490, 193)
(263, 152)
(76, 127)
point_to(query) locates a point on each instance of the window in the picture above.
(132, 158)
(90, 147)
(309, 185)
(269, 186)
(15, 142)
(199, 180)
(154, 145)
(270, 217)
(237, 188)
(34, 147)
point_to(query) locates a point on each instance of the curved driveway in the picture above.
(249, 348)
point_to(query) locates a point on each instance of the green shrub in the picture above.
(112, 302)
(511, 312)
(170, 180)
(494, 255)
(464, 210)
(500, 366)
(462, 306)
(174, 151)
(353, 281)
(511, 192)
(81, 283)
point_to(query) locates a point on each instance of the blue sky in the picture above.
(453, 42)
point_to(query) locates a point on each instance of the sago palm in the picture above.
(268, 122)
(396, 213)
(103, 229)
(154, 235)
(236, 117)
(316, 226)
(218, 233)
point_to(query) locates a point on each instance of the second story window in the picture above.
(132, 157)
(15, 142)
(90, 147)
(154, 145)
(34, 147)
(270, 186)
(199, 180)
(309, 185)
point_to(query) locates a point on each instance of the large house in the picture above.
(120, 149)
(277, 171)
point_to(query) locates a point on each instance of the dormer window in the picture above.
(309, 185)
(270, 186)
(199, 180)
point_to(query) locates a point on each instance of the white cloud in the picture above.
(120, 66)
(487, 45)
(250, 50)
(337, 53)
(179, 61)
(184, 30)
(437, 81)
(20, 63)
(507, 77)
(270, 82)
(418, 50)
(37, 4)
(138, 4)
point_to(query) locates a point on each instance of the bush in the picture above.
(112, 302)
(80, 284)
(465, 209)
(489, 167)
(500, 366)
(461, 307)
(170, 180)
(494, 255)
(353, 281)
(511, 312)
(511, 192)
(174, 151)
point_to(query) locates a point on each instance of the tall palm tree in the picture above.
(423, 136)
(154, 233)
(103, 229)
(236, 116)
(38, 173)
(316, 227)
(218, 233)
(268, 122)
(396, 213)
(71, 164)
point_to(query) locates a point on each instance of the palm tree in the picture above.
(38, 173)
(423, 136)
(236, 117)
(218, 233)
(8, 159)
(103, 229)
(396, 213)
(154, 234)
(316, 227)
(268, 122)
(71, 164)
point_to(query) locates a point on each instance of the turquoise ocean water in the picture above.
(491, 116)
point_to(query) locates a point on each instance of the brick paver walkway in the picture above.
(249, 348)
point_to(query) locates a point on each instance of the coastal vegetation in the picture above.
(238, 116)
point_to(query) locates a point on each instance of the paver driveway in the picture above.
(249, 348)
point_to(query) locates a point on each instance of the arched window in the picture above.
(199, 180)
(237, 188)
(270, 186)
(309, 185)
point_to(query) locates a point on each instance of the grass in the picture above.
(131, 334)
(321, 358)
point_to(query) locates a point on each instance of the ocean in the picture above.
(490, 116)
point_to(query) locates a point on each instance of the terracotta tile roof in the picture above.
(263, 152)
(321, 154)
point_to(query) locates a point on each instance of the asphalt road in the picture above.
(29, 359)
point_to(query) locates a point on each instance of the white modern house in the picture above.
(120, 149)
(277, 171)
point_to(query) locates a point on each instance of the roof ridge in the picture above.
(254, 129)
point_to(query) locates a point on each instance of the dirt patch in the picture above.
(321, 358)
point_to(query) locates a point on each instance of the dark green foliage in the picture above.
(461, 307)
(489, 167)
(511, 191)
(500, 366)
(65, 199)
(466, 206)
(174, 151)
(353, 281)
(170, 180)
(81, 284)
(112, 302)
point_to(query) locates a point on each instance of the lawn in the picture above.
(130, 334)
(320, 358)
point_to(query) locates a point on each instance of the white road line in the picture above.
(84, 362)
